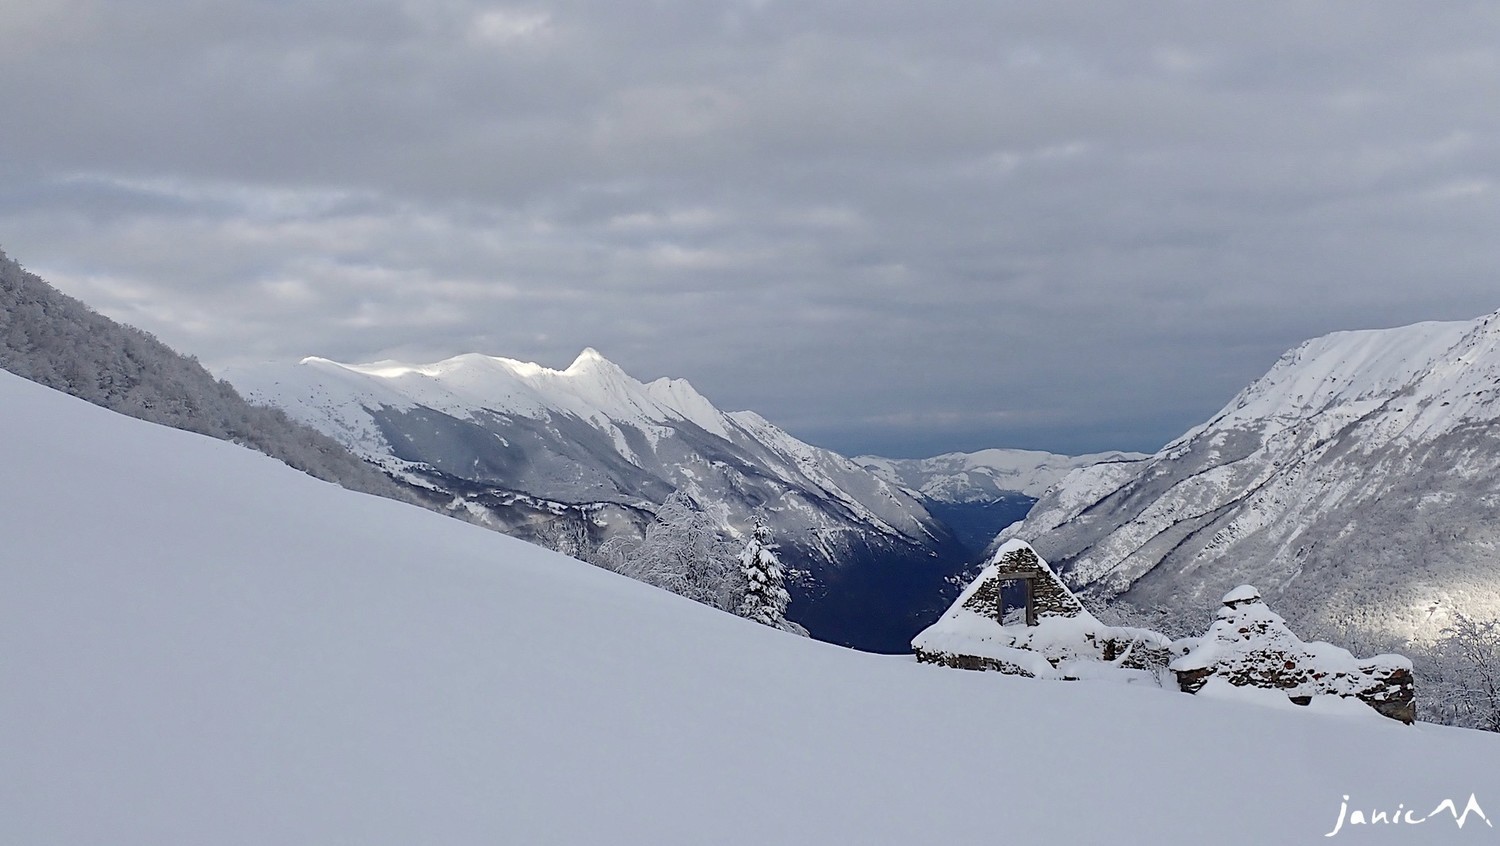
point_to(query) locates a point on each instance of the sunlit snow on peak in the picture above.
(588, 358)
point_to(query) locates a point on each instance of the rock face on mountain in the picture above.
(571, 457)
(1357, 484)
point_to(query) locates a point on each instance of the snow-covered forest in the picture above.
(57, 341)
(683, 550)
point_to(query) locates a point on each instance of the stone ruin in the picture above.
(1017, 617)
(1249, 645)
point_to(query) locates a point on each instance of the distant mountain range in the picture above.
(980, 493)
(572, 457)
(983, 476)
(1357, 484)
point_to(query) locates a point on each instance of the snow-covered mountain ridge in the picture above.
(579, 454)
(1357, 483)
(345, 400)
(591, 388)
(204, 646)
(960, 477)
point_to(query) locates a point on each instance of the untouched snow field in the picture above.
(201, 646)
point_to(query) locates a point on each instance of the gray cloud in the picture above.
(887, 226)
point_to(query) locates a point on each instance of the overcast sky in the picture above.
(896, 227)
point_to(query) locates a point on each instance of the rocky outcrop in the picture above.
(1250, 646)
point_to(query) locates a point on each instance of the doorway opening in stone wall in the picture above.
(1016, 606)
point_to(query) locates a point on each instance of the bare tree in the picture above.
(565, 533)
(682, 551)
(1465, 674)
(1170, 622)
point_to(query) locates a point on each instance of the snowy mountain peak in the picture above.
(592, 388)
(591, 362)
(587, 355)
(679, 396)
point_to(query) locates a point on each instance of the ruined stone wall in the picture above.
(985, 600)
(971, 662)
(1390, 691)
(1049, 597)
(1250, 646)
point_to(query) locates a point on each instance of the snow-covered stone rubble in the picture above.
(1249, 645)
(1049, 634)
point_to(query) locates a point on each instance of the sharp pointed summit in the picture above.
(591, 360)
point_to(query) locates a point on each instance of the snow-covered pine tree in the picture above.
(765, 582)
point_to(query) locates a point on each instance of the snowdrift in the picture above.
(199, 645)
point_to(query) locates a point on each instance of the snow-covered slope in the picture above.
(1357, 484)
(594, 451)
(200, 645)
(57, 341)
(960, 477)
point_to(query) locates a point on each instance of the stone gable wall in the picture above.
(1049, 597)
